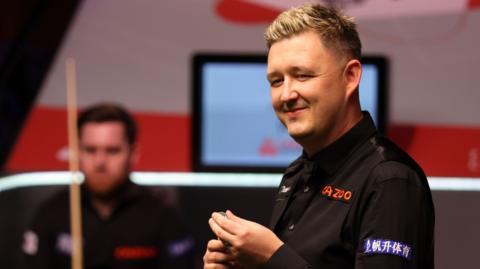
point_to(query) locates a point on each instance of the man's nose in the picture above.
(100, 159)
(289, 91)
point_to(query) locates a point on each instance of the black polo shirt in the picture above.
(359, 203)
(142, 232)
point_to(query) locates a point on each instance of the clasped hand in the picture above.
(241, 243)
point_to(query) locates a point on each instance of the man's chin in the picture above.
(297, 134)
(105, 191)
(101, 193)
(100, 190)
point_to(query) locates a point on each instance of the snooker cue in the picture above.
(75, 207)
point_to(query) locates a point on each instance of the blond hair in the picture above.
(337, 31)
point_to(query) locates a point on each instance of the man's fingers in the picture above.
(220, 232)
(226, 224)
(217, 257)
(216, 245)
(215, 266)
(236, 218)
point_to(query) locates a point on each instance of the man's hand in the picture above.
(250, 244)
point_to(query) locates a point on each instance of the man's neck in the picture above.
(317, 145)
(104, 208)
(106, 204)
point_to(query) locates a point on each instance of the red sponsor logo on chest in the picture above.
(135, 252)
(337, 193)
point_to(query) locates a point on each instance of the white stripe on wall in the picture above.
(206, 180)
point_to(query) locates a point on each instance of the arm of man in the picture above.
(250, 244)
(397, 227)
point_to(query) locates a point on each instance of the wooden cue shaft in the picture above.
(75, 207)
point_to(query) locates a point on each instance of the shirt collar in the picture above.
(329, 159)
(126, 192)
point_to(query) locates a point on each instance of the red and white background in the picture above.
(138, 53)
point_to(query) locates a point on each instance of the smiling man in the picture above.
(124, 225)
(352, 199)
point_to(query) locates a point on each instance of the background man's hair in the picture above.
(337, 31)
(107, 112)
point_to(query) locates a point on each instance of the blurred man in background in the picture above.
(124, 225)
(352, 199)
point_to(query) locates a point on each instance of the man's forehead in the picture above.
(112, 125)
(103, 131)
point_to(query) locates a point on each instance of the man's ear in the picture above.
(352, 75)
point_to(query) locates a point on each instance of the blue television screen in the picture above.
(234, 126)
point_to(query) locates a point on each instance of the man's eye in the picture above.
(276, 82)
(89, 150)
(303, 77)
(113, 150)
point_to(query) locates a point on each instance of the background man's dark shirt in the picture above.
(141, 233)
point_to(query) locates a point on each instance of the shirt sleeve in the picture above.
(396, 230)
(38, 246)
(286, 258)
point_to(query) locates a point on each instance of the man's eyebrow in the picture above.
(295, 69)
(273, 74)
(290, 70)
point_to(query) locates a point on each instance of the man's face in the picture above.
(105, 156)
(307, 89)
